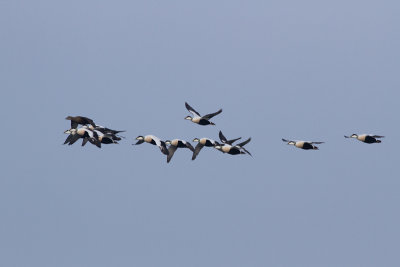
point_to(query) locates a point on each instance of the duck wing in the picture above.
(222, 137)
(85, 140)
(244, 143)
(192, 110)
(171, 151)
(209, 116)
(88, 121)
(245, 150)
(74, 124)
(163, 148)
(230, 142)
(197, 150)
(68, 139)
(74, 138)
(188, 145)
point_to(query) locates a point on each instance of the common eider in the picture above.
(234, 150)
(366, 138)
(303, 144)
(197, 118)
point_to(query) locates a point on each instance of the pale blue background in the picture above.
(313, 70)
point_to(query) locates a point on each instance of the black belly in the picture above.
(208, 143)
(106, 141)
(204, 122)
(180, 144)
(307, 146)
(234, 151)
(369, 140)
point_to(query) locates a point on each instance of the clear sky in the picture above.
(311, 70)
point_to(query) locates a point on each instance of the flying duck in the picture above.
(226, 141)
(84, 133)
(234, 150)
(197, 118)
(173, 146)
(366, 138)
(202, 143)
(154, 141)
(303, 144)
(79, 120)
(107, 131)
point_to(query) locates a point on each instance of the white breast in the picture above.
(299, 144)
(362, 137)
(196, 119)
(175, 142)
(226, 148)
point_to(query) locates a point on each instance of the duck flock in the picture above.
(97, 135)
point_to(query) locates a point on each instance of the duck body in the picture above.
(234, 150)
(180, 143)
(306, 145)
(201, 121)
(366, 138)
(229, 149)
(202, 142)
(207, 142)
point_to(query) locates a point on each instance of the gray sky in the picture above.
(312, 70)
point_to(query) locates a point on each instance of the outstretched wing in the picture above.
(188, 145)
(225, 141)
(197, 150)
(74, 138)
(171, 151)
(139, 142)
(209, 116)
(230, 142)
(192, 110)
(247, 151)
(378, 136)
(222, 137)
(317, 143)
(74, 125)
(68, 139)
(285, 140)
(86, 120)
(244, 143)
(95, 142)
(85, 140)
